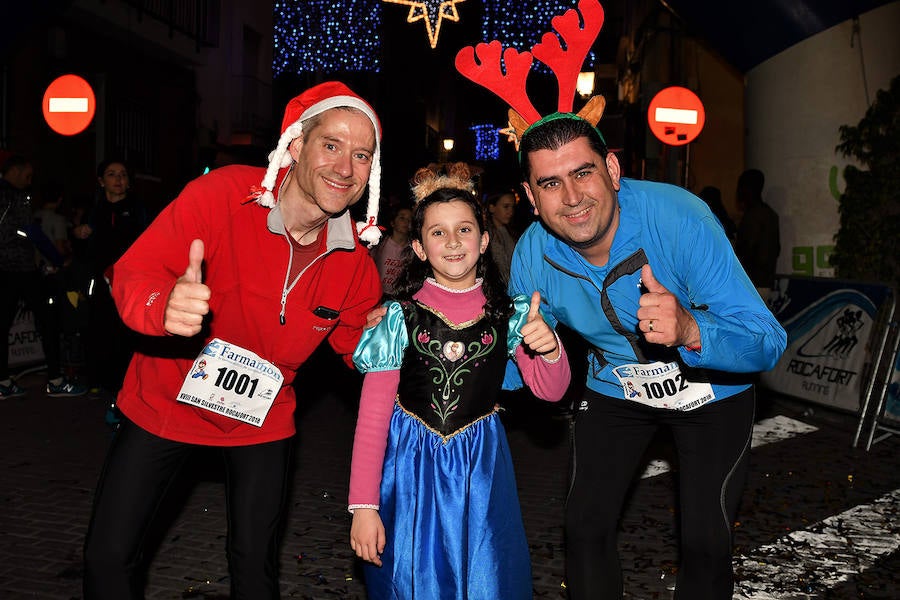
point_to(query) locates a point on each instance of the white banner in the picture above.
(828, 323)
(24, 342)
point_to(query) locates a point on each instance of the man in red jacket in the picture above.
(242, 276)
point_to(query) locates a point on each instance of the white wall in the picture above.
(795, 103)
(221, 81)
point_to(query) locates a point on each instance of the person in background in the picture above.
(432, 488)
(53, 222)
(241, 277)
(390, 254)
(21, 279)
(713, 198)
(500, 209)
(758, 237)
(61, 279)
(113, 223)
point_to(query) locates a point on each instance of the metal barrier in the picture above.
(881, 405)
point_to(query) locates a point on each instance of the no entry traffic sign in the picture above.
(69, 105)
(676, 116)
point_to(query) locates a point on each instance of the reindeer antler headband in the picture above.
(482, 65)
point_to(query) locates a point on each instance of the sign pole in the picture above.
(676, 117)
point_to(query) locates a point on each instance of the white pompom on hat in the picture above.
(314, 101)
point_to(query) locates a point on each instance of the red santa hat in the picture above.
(314, 101)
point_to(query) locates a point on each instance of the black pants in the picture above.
(111, 343)
(35, 291)
(139, 469)
(610, 438)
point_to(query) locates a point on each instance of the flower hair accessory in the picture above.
(483, 65)
(456, 176)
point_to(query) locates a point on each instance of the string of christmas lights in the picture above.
(487, 141)
(326, 36)
(520, 27)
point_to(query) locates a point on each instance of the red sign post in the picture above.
(676, 116)
(69, 105)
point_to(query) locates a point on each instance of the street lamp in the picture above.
(448, 144)
(585, 84)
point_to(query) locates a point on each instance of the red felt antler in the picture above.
(487, 72)
(566, 63)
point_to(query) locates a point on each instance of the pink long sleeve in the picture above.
(547, 380)
(376, 404)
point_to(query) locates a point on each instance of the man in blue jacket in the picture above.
(646, 275)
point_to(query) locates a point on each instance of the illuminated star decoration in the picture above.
(510, 133)
(433, 12)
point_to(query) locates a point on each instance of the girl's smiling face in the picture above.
(452, 242)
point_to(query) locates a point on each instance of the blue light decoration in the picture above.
(326, 36)
(487, 141)
(520, 25)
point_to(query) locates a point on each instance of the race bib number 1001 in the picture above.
(662, 385)
(233, 382)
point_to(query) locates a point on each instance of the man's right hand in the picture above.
(189, 301)
(375, 315)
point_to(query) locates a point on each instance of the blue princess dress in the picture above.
(448, 496)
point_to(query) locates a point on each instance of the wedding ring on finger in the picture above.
(650, 325)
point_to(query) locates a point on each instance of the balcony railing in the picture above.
(197, 19)
(254, 113)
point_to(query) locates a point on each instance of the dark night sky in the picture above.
(419, 84)
(748, 33)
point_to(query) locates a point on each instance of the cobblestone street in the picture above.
(52, 450)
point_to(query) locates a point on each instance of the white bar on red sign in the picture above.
(676, 115)
(68, 105)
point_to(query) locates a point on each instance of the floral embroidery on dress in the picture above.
(449, 362)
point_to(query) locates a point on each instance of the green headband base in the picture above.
(556, 117)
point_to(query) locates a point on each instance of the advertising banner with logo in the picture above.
(891, 414)
(828, 323)
(24, 345)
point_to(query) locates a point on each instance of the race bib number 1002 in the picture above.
(662, 385)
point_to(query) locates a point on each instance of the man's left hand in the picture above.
(661, 318)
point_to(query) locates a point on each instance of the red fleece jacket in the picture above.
(245, 266)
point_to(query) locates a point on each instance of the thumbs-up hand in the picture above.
(194, 271)
(188, 302)
(536, 334)
(661, 318)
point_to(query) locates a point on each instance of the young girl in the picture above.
(446, 521)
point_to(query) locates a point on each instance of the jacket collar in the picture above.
(339, 231)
